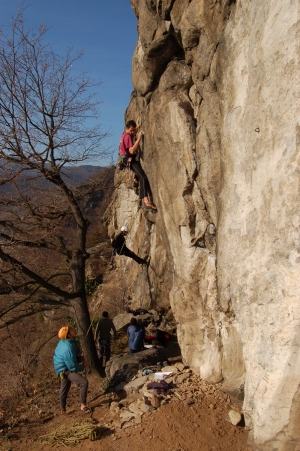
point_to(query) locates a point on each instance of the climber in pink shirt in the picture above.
(128, 150)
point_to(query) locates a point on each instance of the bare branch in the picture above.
(36, 278)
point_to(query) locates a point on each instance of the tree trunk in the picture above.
(80, 307)
(85, 332)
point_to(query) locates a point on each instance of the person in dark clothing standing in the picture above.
(128, 151)
(121, 249)
(103, 335)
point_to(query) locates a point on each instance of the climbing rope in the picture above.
(71, 437)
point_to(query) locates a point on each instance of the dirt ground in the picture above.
(174, 427)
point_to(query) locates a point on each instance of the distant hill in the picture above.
(96, 181)
(72, 175)
(80, 174)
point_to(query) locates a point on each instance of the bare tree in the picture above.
(43, 116)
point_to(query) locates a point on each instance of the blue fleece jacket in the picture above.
(136, 337)
(65, 357)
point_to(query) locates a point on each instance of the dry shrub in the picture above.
(26, 358)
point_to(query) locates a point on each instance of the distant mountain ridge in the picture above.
(74, 175)
(80, 174)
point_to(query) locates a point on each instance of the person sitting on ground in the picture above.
(128, 151)
(67, 365)
(136, 335)
(103, 336)
(121, 249)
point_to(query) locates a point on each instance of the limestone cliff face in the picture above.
(216, 92)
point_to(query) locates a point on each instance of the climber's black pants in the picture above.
(128, 253)
(144, 184)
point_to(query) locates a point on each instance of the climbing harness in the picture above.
(124, 163)
(114, 251)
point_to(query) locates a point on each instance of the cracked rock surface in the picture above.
(216, 92)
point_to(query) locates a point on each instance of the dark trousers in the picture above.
(104, 350)
(128, 253)
(144, 184)
(65, 384)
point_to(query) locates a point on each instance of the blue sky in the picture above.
(106, 32)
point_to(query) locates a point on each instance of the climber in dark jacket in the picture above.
(103, 337)
(121, 249)
(67, 366)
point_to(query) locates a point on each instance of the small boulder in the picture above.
(126, 416)
(122, 321)
(169, 380)
(118, 368)
(180, 366)
(181, 377)
(136, 385)
(126, 401)
(129, 424)
(234, 417)
(114, 407)
(155, 401)
(139, 407)
(170, 369)
(147, 394)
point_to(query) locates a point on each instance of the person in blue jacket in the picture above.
(67, 366)
(136, 335)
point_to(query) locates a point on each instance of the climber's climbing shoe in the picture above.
(150, 206)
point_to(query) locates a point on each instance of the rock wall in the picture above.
(216, 92)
